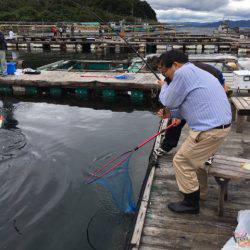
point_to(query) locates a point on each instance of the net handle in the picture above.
(153, 136)
(111, 169)
(107, 164)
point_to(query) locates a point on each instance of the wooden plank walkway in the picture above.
(92, 80)
(240, 111)
(242, 105)
(164, 229)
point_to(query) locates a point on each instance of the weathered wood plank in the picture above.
(231, 159)
(76, 79)
(236, 172)
(189, 237)
(164, 229)
(185, 225)
(150, 247)
(136, 237)
(135, 241)
(151, 242)
(242, 106)
(243, 102)
(230, 174)
(237, 103)
(157, 242)
(207, 214)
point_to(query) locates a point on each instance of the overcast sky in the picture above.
(200, 10)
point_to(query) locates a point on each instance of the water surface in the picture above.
(46, 153)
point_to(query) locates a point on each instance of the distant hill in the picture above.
(239, 23)
(67, 10)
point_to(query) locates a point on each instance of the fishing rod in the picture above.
(117, 33)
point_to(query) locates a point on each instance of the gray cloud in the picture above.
(201, 5)
(236, 14)
(203, 10)
(182, 15)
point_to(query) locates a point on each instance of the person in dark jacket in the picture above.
(3, 48)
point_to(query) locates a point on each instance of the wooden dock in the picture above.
(93, 80)
(61, 83)
(82, 84)
(142, 84)
(149, 43)
(159, 228)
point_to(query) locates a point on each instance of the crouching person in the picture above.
(196, 96)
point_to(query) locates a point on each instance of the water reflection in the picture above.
(47, 151)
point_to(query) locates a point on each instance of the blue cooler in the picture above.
(11, 68)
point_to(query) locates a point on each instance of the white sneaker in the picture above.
(209, 161)
(160, 152)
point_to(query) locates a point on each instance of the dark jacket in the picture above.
(3, 44)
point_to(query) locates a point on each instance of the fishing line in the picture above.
(88, 226)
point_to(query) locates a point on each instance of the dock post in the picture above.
(92, 48)
(202, 48)
(28, 47)
(111, 49)
(216, 48)
(142, 48)
(98, 48)
(63, 47)
(105, 48)
(46, 46)
(184, 48)
(117, 48)
(79, 48)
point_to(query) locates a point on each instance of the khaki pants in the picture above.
(189, 160)
(3, 65)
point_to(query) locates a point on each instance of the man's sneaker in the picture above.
(160, 151)
(209, 161)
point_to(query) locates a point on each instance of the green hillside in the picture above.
(68, 10)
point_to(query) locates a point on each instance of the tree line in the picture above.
(74, 10)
